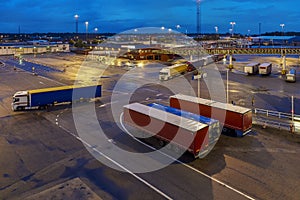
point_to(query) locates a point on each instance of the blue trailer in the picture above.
(214, 125)
(42, 98)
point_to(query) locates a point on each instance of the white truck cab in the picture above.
(164, 74)
(20, 100)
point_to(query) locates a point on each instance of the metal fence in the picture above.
(280, 115)
(276, 119)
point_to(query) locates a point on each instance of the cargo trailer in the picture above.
(42, 98)
(265, 68)
(234, 118)
(214, 126)
(251, 68)
(179, 132)
(170, 72)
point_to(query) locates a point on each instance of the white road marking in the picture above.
(117, 164)
(186, 165)
(110, 103)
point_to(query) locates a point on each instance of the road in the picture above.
(40, 150)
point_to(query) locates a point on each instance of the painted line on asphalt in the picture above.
(117, 164)
(186, 165)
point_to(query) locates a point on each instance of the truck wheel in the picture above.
(176, 149)
(161, 143)
(169, 146)
(225, 130)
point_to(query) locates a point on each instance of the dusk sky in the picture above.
(120, 15)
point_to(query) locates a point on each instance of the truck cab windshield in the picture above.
(163, 73)
(16, 100)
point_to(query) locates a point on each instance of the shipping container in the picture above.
(234, 118)
(178, 131)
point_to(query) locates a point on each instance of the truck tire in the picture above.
(19, 108)
(161, 143)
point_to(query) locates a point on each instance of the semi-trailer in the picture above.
(251, 68)
(234, 118)
(214, 126)
(42, 98)
(265, 68)
(177, 131)
(167, 73)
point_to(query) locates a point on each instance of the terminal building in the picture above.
(34, 48)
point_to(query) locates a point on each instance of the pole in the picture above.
(293, 110)
(86, 30)
(198, 18)
(199, 85)
(227, 89)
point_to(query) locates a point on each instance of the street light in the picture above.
(282, 27)
(96, 30)
(86, 30)
(199, 76)
(227, 85)
(217, 29)
(76, 22)
(179, 27)
(232, 26)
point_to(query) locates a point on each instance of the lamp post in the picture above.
(199, 76)
(179, 27)
(86, 30)
(227, 86)
(232, 27)
(216, 29)
(76, 23)
(283, 54)
(282, 27)
(96, 30)
(198, 18)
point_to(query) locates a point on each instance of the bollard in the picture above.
(292, 128)
(264, 125)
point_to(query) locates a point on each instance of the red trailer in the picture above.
(181, 132)
(234, 118)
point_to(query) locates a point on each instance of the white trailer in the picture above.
(265, 69)
(167, 73)
(251, 68)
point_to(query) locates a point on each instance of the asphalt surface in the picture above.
(39, 149)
